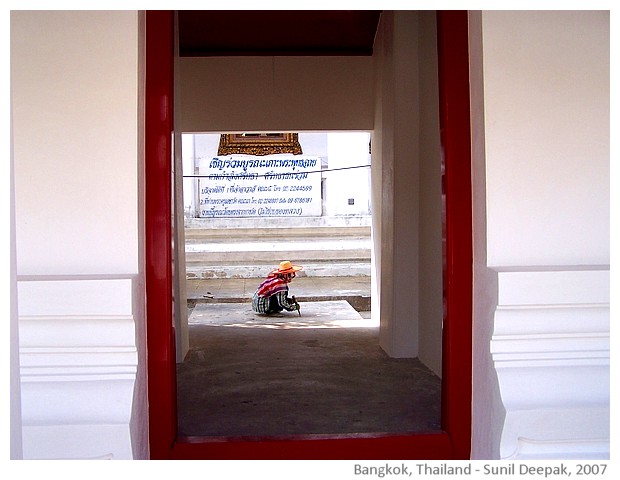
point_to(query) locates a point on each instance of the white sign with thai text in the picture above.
(261, 186)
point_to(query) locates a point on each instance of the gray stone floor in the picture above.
(355, 289)
(321, 373)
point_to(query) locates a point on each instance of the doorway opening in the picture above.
(453, 440)
(316, 371)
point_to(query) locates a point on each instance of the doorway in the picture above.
(323, 372)
(452, 441)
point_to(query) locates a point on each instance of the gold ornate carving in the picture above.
(259, 143)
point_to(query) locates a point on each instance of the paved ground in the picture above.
(250, 375)
(355, 289)
(324, 314)
(253, 375)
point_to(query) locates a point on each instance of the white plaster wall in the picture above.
(546, 152)
(546, 168)
(76, 94)
(314, 144)
(74, 91)
(404, 95)
(16, 448)
(237, 94)
(546, 85)
(345, 150)
(431, 258)
(405, 189)
(78, 368)
(190, 185)
(488, 411)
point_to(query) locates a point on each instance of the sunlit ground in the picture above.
(330, 314)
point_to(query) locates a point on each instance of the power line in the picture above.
(220, 175)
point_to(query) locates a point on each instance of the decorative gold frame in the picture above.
(259, 143)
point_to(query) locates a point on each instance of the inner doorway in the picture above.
(247, 375)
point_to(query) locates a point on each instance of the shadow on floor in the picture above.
(250, 375)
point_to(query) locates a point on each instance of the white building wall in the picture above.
(395, 184)
(76, 130)
(314, 144)
(190, 185)
(546, 195)
(547, 111)
(75, 103)
(342, 151)
(75, 84)
(346, 187)
(488, 411)
(406, 188)
(276, 94)
(431, 205)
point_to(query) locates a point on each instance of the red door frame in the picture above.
(158, 126)
(454, 440)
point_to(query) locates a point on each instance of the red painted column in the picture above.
(158, 242)
(453, 54)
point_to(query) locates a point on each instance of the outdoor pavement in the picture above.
(322, 372)
(355, 289)
(325, 314)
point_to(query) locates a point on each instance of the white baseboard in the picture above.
(78, 364)
(551, 350)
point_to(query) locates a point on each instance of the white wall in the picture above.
(347, 150)
(75, 96)
(546, 101)
(405, 94)
(431, 257)
(74, 91)
(243, 94)
(397, 313)
(488, 411)
(546, 196)
(547, 137)
(190, 185)
(314, 144)
(16, 444)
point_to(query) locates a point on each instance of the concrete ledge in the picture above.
(327, 314)
(358, 302)
(355, 290)
(353, 269)
(276, 222)
(193, 233)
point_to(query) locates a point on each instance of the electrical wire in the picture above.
(220, 175)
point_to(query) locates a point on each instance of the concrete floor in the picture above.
(355, 289)
(321, 373)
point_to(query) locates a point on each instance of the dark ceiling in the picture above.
(207, 33)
